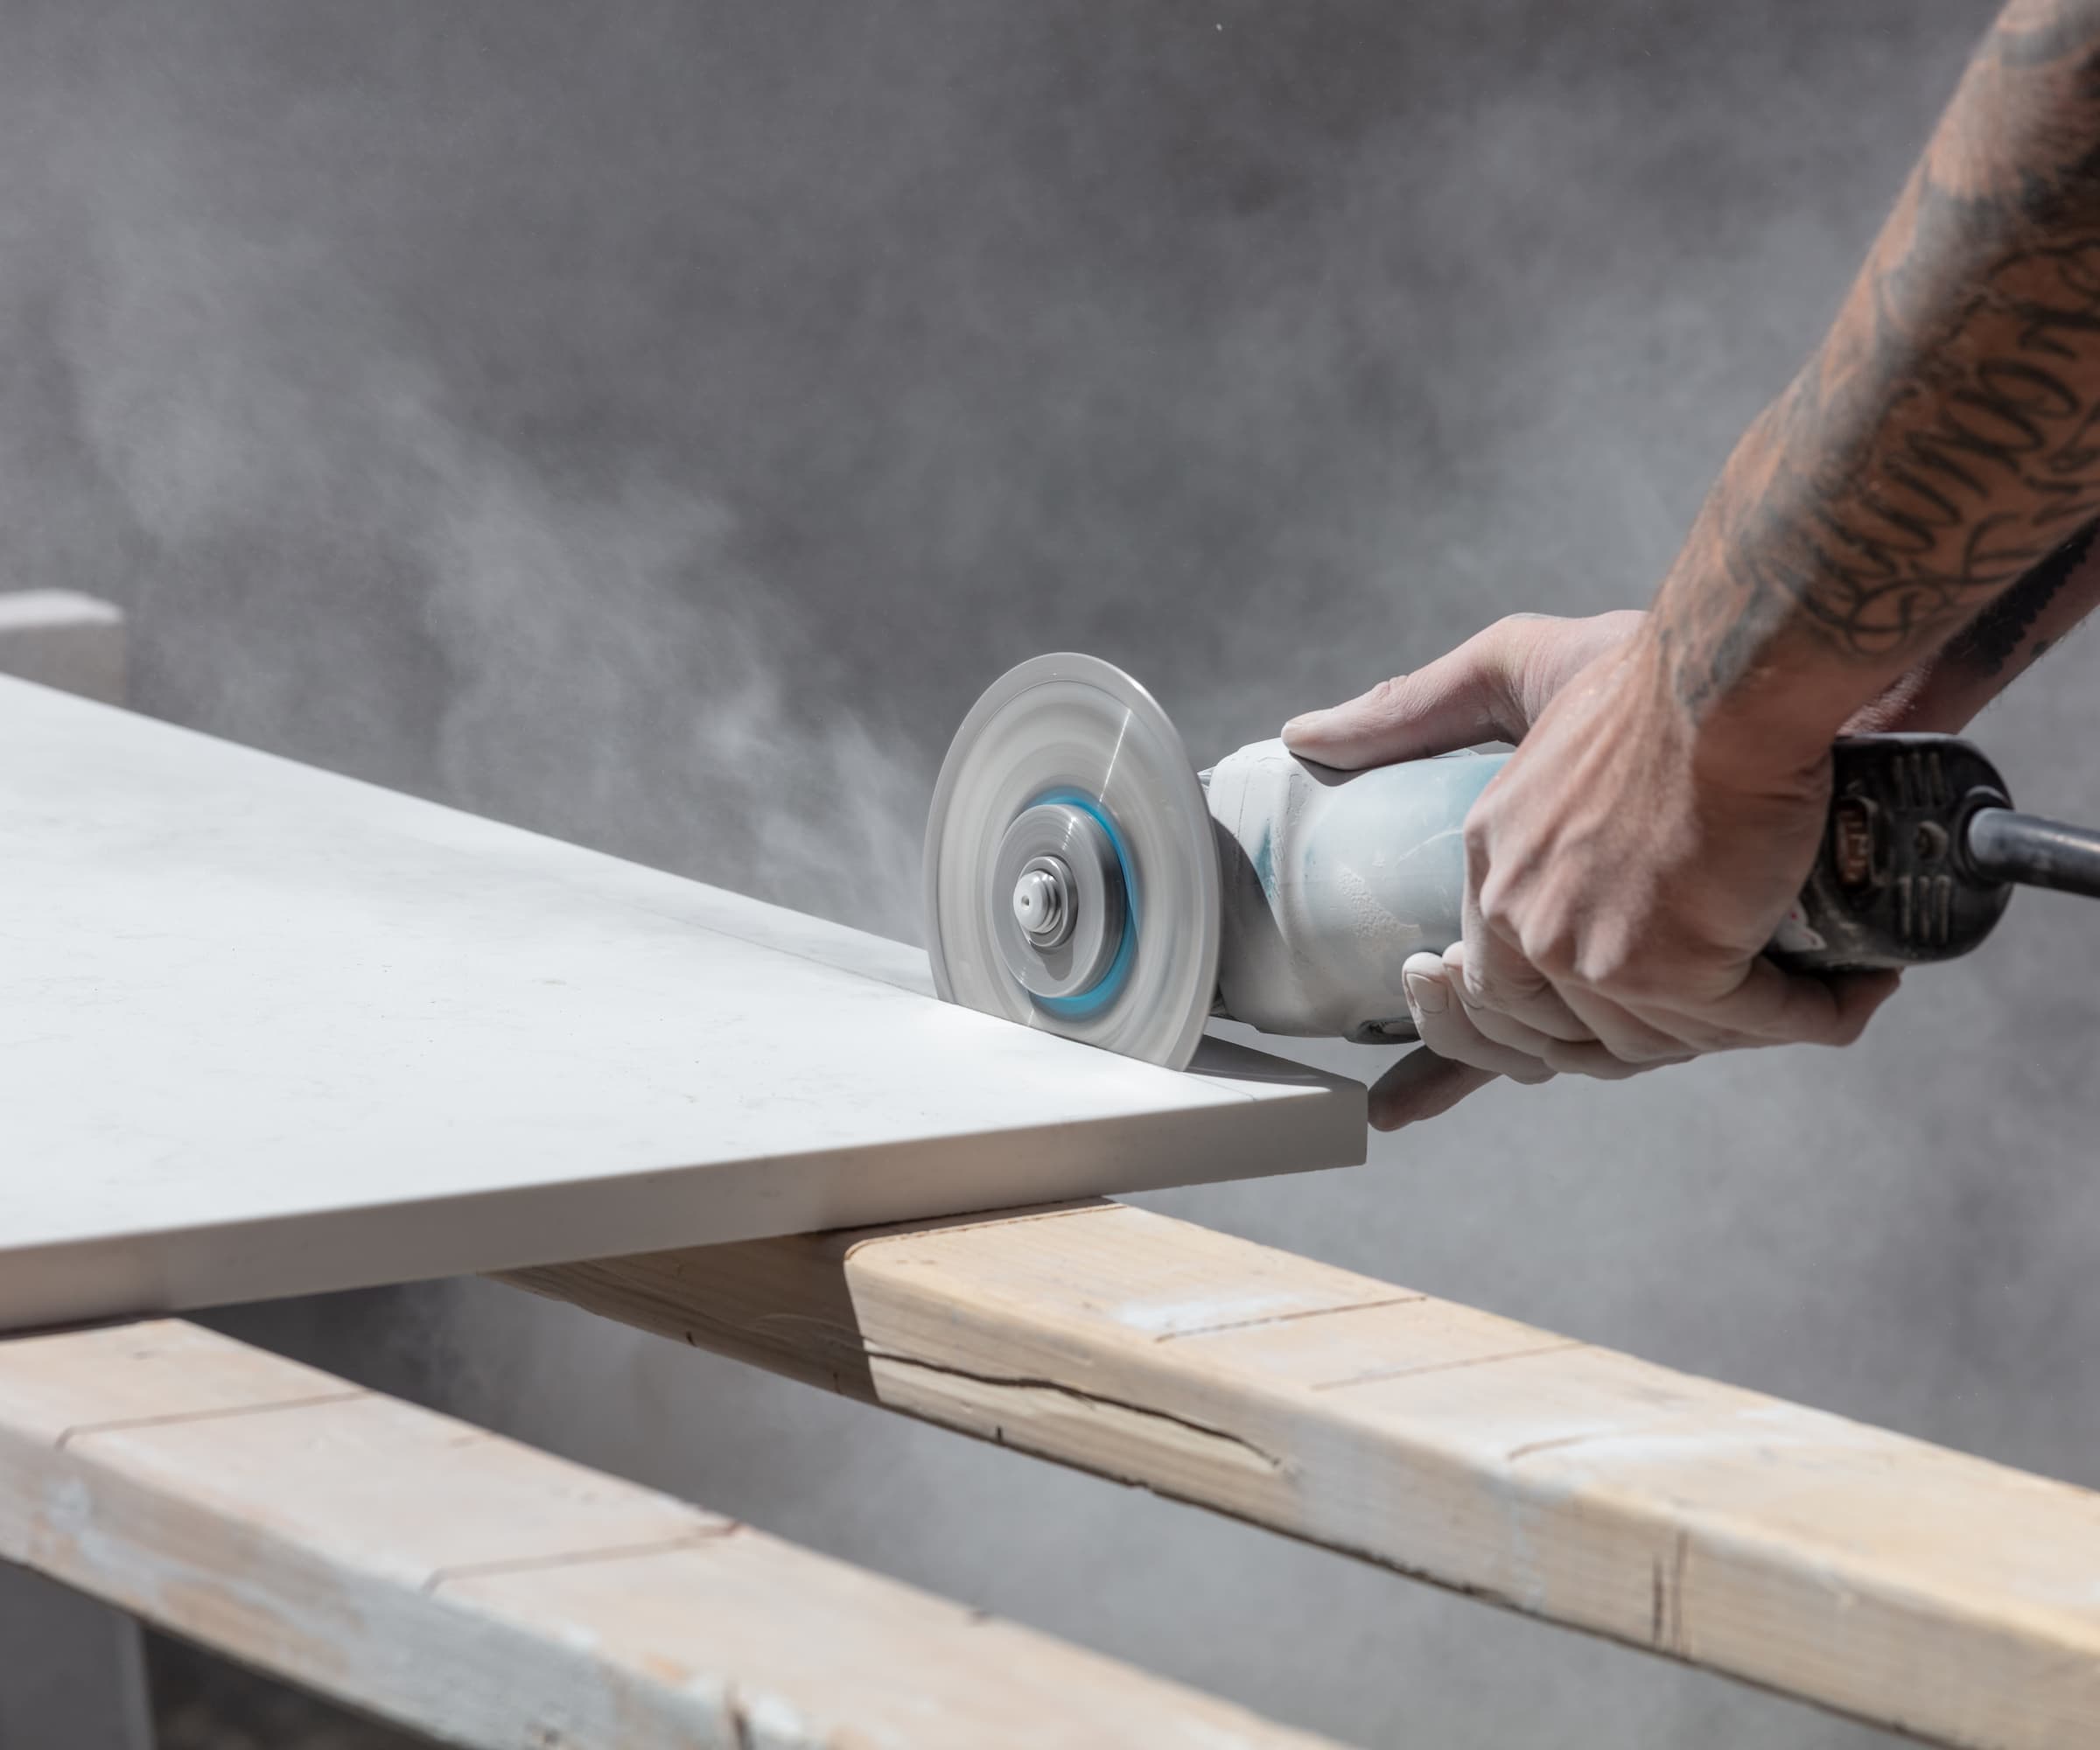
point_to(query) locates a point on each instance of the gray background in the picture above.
(654, 423)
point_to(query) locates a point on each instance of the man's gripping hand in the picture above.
(1624, 871)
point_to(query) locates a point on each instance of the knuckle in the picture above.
(1495, 984)
(1517, 631)
(1540, 665)
(1556, 954)
(1613, 966)
(1518, 641)
(1550, 945)
(1476, 986)
(1621, 622)
(1506, 910)
(1386, 694)
(1496, 639)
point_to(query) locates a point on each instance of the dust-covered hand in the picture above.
(1624, 873)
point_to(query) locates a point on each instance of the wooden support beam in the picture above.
(1893, 1580)
(491, 1595)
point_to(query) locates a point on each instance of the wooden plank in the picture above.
(271, 1031)
(1915, 1587)
(491, 1595)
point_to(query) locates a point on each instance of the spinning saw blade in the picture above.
(1071, 870)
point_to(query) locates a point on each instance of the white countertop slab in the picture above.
(265, 1031)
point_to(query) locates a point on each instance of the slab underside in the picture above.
(494, 1596)
(1896, 1581)
(267, 1031)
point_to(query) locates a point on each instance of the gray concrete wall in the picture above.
(654, 423)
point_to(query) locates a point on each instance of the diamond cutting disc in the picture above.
(1071, 871)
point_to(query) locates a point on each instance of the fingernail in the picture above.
(1429, 996)
(1302, 724)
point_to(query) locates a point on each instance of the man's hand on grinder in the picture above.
(1623, 874)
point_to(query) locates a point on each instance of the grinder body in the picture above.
(1330, 880)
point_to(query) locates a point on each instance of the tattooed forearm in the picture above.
(1981, 454)
(2001, 631)
(1944, 440)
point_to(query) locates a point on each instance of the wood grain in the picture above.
(1881, 1576)
(490, 1595)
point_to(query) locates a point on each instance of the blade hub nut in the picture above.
(1042, 902)
(1057, 900)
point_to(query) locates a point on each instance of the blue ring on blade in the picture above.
(1098, 995)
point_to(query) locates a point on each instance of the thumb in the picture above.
(1489, 688)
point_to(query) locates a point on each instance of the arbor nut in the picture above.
(1055, 900)
(1042, 901)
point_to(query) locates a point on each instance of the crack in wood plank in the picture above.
(1532, 1448)
(84, 1430)
(576, 1559)
(1092, 1400)
(1288, 1318)
(1376, 1375)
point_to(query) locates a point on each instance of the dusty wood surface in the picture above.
(1894, 1580)
(493, 1596)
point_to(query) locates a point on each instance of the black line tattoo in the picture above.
(1994, 637)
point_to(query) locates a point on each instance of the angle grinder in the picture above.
(1082, 876)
